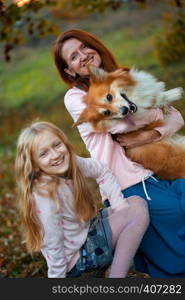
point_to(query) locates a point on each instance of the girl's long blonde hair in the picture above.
(28, 179)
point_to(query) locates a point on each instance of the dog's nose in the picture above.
(124, 110)
(133, 108)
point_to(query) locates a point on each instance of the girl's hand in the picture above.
(134, 139)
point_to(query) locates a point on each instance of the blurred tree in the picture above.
(18, 18)
(65, 9)
(169, 44)
(169, 47)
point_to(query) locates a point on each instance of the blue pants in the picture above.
(162, 250)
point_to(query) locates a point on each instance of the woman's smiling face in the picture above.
(50, 154)
(78, 56)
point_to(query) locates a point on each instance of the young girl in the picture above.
(59, 214)
(162, 251)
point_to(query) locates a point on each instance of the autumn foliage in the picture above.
(169, 48)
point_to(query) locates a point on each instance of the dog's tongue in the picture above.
(130, 120)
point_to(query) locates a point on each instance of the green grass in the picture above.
(31, 76)
(30, 86)
(131, 49)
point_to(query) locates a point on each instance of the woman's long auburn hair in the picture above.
(108, 62)
(28, 179)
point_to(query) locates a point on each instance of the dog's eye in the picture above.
(107, 112)
(109, 97)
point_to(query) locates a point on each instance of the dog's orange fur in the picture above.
(165, 159)
(98, 89)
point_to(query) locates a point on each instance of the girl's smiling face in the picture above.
(78, 56)
(50, 154)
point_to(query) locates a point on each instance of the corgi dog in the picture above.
(129, 93)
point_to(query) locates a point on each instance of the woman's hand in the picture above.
(135, 139)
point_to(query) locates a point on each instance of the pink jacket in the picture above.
(102, 147)
(64, 233)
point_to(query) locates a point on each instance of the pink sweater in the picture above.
(64, 233)
(102, 147)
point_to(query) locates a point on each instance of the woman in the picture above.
(162, 251)
(56, 206)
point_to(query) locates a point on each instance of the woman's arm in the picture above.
(130, 140)
(53, 243)
(172, 123)
(73, 101)
(109, 187)
(99, 145)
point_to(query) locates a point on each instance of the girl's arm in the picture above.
(109, 187)
(53, 245)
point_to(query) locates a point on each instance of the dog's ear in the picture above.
(125, 69)
(81, 119)
(121, 71)
(97, 74)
